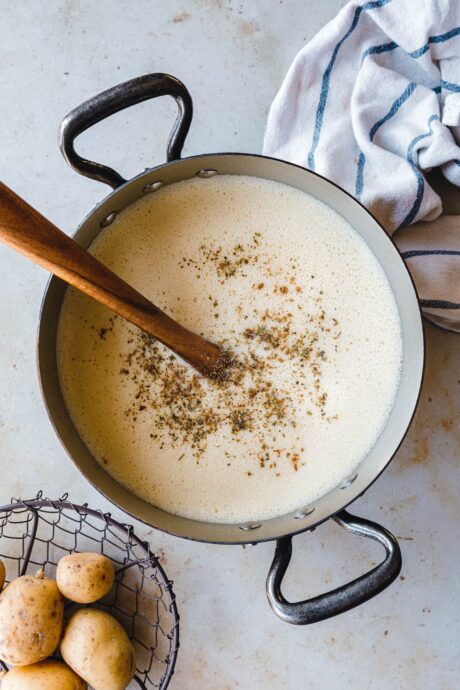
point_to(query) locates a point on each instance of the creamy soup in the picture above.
(291, 289)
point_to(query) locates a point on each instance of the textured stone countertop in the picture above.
(232, 56)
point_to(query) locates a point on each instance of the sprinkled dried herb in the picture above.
(188, 410)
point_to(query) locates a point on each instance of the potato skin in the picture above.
(97, 648)
(31, 620)
(85, 577)
(2, 575)
(46, 675)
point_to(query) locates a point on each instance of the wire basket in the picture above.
(38, 533)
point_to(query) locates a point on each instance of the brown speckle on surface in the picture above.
(447, 424)
(182, 17)
(248, 27)
(162, 557)
(422, 452)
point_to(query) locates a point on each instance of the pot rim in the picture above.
(247, 537)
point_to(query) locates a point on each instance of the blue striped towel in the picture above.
(373, 103)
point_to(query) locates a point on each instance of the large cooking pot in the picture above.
(306, 517)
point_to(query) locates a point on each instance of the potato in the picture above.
(46, 675)
(97, 648)
(31, 620)
(2, 575)
(85, 577)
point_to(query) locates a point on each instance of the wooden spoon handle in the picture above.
(31, 234)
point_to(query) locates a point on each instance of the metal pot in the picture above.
(306, 517)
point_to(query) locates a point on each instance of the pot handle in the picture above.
(113, 100)
(345, 597)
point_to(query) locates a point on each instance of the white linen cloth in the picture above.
(373, 103)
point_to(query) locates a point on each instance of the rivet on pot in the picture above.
(108, 219)
(304, 512)
(152, 186)
(348, 480)
(206, 172)
(250, 525)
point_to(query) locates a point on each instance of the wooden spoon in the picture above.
(31, 234)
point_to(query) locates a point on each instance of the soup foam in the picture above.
(292, 290)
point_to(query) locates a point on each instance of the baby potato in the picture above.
(46, 675)
(97, 648)
(85, 577)
(31, 620)
(2, 575)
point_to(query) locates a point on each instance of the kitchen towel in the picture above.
(373, 103)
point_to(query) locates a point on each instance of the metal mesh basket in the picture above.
(37, 533)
